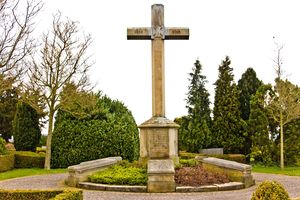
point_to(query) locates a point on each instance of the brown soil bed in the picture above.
(197, 176)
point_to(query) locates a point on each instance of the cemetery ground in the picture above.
(54, 179)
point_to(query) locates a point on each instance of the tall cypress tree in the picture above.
(196, 134)
(228, 126)
(26, 128)
(247, 85)
(8, 101)
(259, 128)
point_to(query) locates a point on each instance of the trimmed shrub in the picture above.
(69, 195)
(41, 194)
(3, 149)
(26, 128)
(28, 194)
(270, 190)
(109, 130)
(27, 159)
(7, 162)
(120, 175)
(233, 157)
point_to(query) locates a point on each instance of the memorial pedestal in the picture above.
(159, 139)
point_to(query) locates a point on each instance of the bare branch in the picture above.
(16, 43)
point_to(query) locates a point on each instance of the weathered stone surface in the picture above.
(230, 186)
(105, 187)
(207, 188)
(161, 176)
(159, 139)
(212, 151)
(79, 173)
(237, 172)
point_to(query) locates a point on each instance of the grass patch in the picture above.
(291, 171)
(15, 173)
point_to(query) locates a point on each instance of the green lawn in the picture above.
(28, 172)
(291, 171)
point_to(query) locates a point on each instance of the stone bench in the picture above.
(80, 172)
(237, 172)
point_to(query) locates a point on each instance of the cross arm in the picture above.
(142, 33)
(173, 33)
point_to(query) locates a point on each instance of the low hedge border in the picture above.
(232, 157)
(41, 194)
(7, 162)
(27, 159)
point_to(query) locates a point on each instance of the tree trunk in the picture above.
(281, 143)
(49, 140)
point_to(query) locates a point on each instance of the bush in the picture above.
(120, 175)
(109, 130)
(7, 162)
(27, 159)
(270, 190)
(188, 162)
(69, 195)
(3, 149)
(26, 128)
(28, 194)
(41, 194)
(233, 157)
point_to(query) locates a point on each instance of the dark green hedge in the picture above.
(109, 130)
(7, 162)
(41, 195)
(27, 159)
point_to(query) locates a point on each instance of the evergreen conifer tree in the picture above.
(259, 128)
(8, 101)
(228, 126)
(195, 131)
(247, 85)
(26, 128)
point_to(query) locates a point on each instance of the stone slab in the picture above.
(228, 164)
(236, 172)
(160, 167)
(207, 188)
(80, 172)
(212, 151)
(230, 186)
(161, 176)
(117, 188)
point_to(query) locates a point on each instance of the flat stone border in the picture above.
(116, 188)
(181, 189)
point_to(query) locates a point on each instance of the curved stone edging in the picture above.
(126, 188)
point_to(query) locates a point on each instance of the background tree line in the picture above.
(250, 117)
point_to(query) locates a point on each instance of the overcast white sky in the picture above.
(243, 30)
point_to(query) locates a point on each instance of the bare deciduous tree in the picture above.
(16, 42)
(284, 106)
(63, 61)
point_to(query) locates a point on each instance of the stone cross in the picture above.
(157, 33)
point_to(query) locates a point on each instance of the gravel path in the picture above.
(291, 183)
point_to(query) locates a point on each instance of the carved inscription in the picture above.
(159, 143)
(175, 31)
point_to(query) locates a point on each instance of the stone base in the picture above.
(159, 139)
(161, 176)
